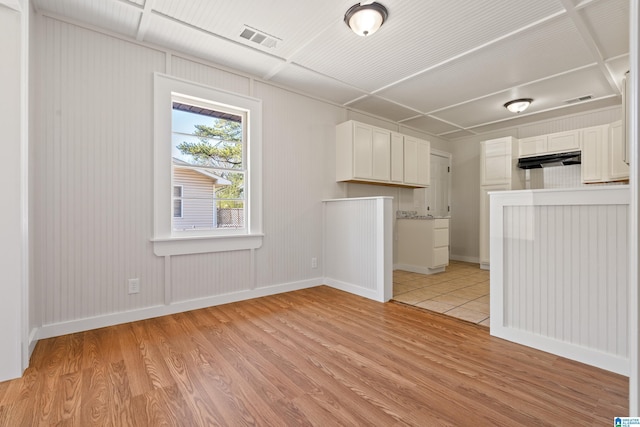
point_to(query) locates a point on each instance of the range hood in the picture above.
(548, 160)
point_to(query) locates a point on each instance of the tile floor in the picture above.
(462, 291)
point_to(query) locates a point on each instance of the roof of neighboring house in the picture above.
(218, 180)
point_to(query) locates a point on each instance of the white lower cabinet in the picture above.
(423, 245)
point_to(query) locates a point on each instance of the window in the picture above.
(208, 151)
(207, 166)
(177, 201)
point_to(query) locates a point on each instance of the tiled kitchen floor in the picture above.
(462, 291)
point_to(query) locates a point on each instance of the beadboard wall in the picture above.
(559, 272)
(92, 185)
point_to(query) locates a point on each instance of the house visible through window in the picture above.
(208, 165)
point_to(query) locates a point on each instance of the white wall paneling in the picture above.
(92, 159)
(560, 278)
(358, 246)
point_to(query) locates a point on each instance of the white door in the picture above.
(437, 195)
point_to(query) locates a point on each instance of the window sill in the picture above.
(205, 244)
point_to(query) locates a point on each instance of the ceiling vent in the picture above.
(259, 37)
(579, 99)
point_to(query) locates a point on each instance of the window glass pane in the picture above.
(208, 166)
(206, 151)
(230, 215)
(233, 189)
(177, 191)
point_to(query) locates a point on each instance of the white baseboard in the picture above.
(33, 340)
(473, 260)
(418, 269)
(354, 289)
(585, 355)
(85, 324)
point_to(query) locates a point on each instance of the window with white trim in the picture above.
(207, 166)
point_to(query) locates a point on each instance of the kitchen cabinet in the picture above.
(560, 142)
(363, 152)
(498, 172)
(498, 161)
(417, 155)
(603, 154)
(618, 165)
(397, 157)
(423, 245)
(368, 154)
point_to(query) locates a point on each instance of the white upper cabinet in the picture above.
(594, 140)
(603, 154)
(560, 142)
(498, 162)
(397, 157)
(618, 167)
(417, 158)
(533, 146)
(369, 154)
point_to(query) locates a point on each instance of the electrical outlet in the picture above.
(314, 262)
(134, 286)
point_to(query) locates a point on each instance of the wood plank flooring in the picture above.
(312, 357)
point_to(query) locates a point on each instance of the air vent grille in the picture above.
(579, 99)
(259, 37)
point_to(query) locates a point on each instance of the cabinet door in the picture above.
(381, 155)
(362, 151)
(563, 142)
(495, 161)
(397, 157)
(371, 153)
(440, 257)
(593, 163)
(618, 169)
(416, 161)
(532, 146)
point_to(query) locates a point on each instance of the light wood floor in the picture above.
(311, 357)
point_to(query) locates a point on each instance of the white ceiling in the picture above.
(442, 66)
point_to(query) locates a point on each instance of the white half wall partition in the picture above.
(559, 272)
(358, 246)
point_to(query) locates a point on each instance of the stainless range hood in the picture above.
(548, 160)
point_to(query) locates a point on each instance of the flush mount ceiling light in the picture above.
(518, 105)
(365, 19)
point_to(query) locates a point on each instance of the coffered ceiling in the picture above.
(445, 67)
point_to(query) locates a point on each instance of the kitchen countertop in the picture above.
(414, 215)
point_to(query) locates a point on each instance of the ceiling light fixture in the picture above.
(366, 19)
(518, 105)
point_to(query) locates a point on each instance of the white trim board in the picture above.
(88, 323)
